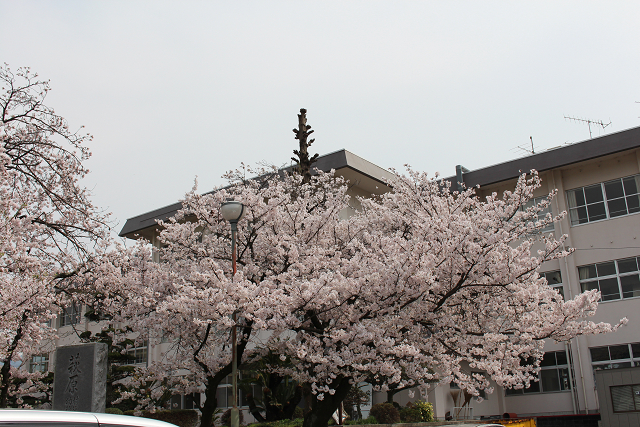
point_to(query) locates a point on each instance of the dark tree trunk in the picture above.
(392, 392)
(272, 412)
(291, 406)
(304, 161)
(308, 397)
(5, 372)
(254, 410)
(322, 410)
(211, 399)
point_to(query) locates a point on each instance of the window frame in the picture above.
(636, 401)
(37, 361)
(633, 359)
(605, 200)
(617, 276)
(133, 359)
(226, 385)
(537, 387)
(558, 286)
(540, 215)
(70, 318)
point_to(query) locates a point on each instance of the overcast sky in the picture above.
(171, 90)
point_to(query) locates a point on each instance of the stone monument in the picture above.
(80, 382)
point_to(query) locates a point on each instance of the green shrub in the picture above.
(369, 420)
(179, 417)
(298, 413)
(385, 413)
(409, 414)
(426, 409)
(417, 412)
(116, 411)
(225, 419)
(281, 423)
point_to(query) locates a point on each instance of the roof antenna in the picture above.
(588, 122)
(525, 149)
(532, 150)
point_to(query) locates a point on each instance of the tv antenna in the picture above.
(527, 149)
(589, 122)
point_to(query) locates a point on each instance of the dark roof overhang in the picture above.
(369, 177)
(554, 158)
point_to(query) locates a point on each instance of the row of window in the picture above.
(554, 375)
(542, 214)
(615, 356)
(596, 202)
(135, 356)
(39, 363)
(614, 279)
(554, 367)
(224, 395)
(617, 279)
(604, 200)
(625, 398)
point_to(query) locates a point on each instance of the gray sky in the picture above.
(171, 90)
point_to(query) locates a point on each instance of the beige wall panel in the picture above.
(608, 239)
(542, 403)
(612, 312)
(600, 170)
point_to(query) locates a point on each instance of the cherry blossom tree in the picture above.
(188, 297)
(417, 286)
(25, 297)
(48, 224)
(429, 282)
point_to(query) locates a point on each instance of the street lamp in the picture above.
(232, 211)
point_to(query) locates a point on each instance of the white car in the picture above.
(42, 418)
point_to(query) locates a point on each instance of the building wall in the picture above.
(605, 240)
(611, 412)
(594, 242)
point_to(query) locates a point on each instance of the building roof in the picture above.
(368, 176)
(553, 158)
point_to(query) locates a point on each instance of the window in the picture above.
(39, 363)
(554, 279)
(614, 279)
(225, 392)
(554, 375)
(615, 356)
(189, 401)
(138, 355)
(70, 315)
(541, 214)
(625, 398)
(481, 393)
(604, 200)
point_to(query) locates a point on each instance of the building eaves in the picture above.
(554, 158)
(337, 160)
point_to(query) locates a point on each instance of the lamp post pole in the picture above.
(232, 211)
(235, 415)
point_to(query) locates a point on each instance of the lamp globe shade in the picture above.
(232, 211)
